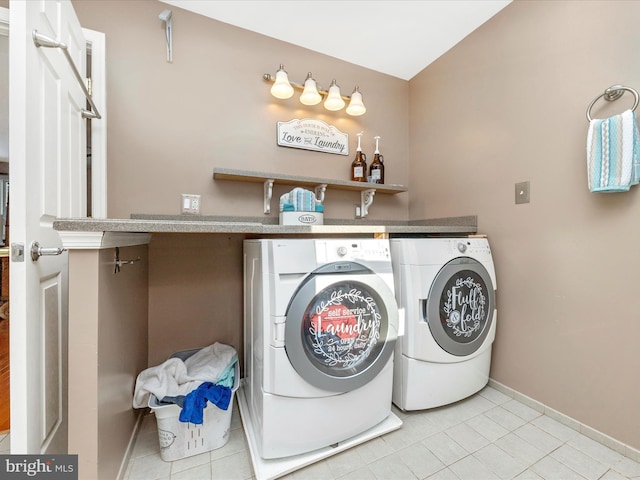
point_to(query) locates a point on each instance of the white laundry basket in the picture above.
(179, 439)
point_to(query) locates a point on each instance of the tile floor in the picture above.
(487, 436)
(5, 443)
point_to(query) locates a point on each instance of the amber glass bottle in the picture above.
(376, 171)
(359, 164)
(359, 168)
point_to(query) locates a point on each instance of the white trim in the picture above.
(98, 127)
(568, 421)
(99, 240)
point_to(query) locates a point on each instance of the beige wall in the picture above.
(108, 348)
(195, 285)
(508, 105)
(170, 124)
(122, 338)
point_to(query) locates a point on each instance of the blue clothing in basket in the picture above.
(196, 401)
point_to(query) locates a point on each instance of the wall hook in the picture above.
(166, 16)
(119, 263)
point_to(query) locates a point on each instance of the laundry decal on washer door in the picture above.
(462, 306)
(341, 326)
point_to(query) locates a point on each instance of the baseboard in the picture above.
(586, 430)
(132, 442)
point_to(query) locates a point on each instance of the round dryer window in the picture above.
(341, 327)
(460, 307)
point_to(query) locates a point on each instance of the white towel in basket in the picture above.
(176, 377)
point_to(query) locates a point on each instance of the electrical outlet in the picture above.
(522, 192)
(357, 211)
(190, 204)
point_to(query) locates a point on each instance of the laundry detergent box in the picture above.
(179, 439)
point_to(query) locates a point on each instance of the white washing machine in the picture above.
(321, 324)
(446, 288)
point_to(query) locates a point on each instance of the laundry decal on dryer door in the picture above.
(462, 306)
(341, 326)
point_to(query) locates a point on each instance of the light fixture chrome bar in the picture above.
(267, 77)
(41, 40)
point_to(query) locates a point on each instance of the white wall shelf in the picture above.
(320, 185)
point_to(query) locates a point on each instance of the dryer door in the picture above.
(460, 306)
(341, 326)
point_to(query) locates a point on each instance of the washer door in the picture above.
(341, 326)
(460, 306)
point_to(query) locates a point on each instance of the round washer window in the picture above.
(342, 326)
(341, 329)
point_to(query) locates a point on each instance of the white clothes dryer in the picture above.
(320, 329)
(446, 290)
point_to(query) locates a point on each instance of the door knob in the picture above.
(37, 251)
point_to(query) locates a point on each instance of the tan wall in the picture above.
(195, 285)
(170, 124)
(508, 105)
(122, 345)
(108, 348)
(83, 351)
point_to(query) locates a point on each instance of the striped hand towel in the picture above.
(299, 200)
(613, 159)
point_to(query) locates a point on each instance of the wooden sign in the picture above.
(312, 134)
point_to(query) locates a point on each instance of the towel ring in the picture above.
(613, 93)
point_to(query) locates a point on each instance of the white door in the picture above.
(47, 175)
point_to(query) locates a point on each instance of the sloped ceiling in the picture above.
(399, 38)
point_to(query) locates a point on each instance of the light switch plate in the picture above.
(522, 192)
(190, 204)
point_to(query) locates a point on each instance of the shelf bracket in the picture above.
(366, 199)
(320, 189)
(268, 193)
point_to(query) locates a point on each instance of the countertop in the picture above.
(147, 223)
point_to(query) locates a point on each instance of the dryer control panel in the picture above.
(470, 246)
(370, 250)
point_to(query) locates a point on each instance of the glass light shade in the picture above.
(356, 107)
(310, 95)
(334, 100)
(282, 88)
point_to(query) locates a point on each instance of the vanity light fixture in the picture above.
(356, 107)
(334, 101)
(281, 87)
(312, 95)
